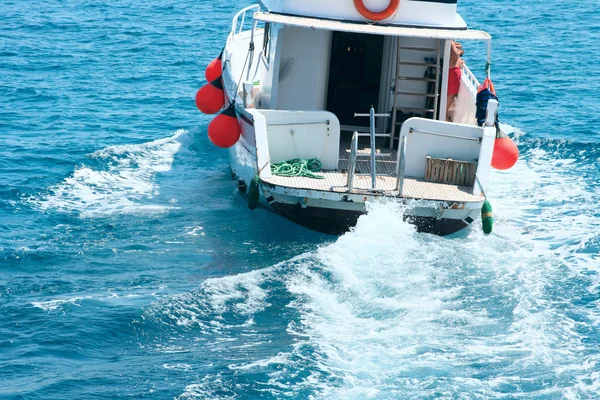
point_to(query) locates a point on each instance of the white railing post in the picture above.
(492, 110)
(242, 13)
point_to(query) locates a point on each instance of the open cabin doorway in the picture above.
(354, 76)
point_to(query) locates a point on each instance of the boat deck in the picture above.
(337, 181)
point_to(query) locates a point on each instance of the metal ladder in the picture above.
(435, 95)
(354, 150)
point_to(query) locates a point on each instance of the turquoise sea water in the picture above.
(131, 268)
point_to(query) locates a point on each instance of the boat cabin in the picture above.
(321, 81)
(307, 63)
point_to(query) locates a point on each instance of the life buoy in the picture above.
(376, 16)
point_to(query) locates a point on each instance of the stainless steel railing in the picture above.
(400, 165)
(402, 152)
(352, 161)
(242, 13)
(374, 155)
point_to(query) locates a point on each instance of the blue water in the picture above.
(131, 268)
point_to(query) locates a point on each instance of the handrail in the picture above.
(402, 153)
(384, 135)
(373, 150)
(373, 135)
(242, 13)
(368, 115)
(327, 122)
(352, 161)
(471, 79)
(412, 130)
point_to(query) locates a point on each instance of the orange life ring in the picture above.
(376, 16)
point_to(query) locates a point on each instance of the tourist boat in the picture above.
(359, 86)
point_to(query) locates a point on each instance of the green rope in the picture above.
(298, 167)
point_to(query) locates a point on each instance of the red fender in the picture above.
(210, 99)
(215, 68)
(224, 130)
(376, 16)
(506, 152)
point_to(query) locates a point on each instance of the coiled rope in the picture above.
(298, 167)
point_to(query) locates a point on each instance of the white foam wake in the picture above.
(385, 312)
(52, 305)
(122, 181)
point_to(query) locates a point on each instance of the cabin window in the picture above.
(267, 42)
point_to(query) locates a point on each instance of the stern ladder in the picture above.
(431, 96)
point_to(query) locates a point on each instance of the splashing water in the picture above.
(121, 181)
(385, 312)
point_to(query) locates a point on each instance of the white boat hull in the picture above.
(335, 212)
(280, 122)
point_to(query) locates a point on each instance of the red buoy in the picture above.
(214, 69)
(224, 130)
(210, 99)
(506, 152)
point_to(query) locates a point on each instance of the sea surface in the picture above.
(131, 268)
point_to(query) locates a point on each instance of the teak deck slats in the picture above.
(414, 188)
(449, 171)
